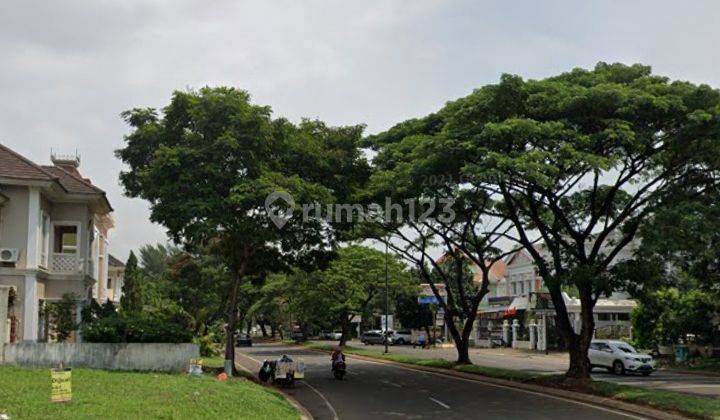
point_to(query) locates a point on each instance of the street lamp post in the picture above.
(387, 308)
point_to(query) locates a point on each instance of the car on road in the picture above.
(331, 335)
(619, 357)
(298, 336)
(243, 340)
(375, 337)
(401, 337)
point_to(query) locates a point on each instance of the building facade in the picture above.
(519, 312)
(54, 226)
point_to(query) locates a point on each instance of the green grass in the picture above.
(690, 405)
(695, 406)
(401, 358)
(698, 364)
(25, 394)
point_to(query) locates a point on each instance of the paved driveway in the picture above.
(379, 391)
(557, 363)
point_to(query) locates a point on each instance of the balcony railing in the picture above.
(66, 263)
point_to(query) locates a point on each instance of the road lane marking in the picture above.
(325, 400)
(322, 397)
(480, 382)
(440, 403)
(386, 382)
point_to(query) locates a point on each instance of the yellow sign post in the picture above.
(61, 385)
(195, 367)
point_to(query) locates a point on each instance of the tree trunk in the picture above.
(578, 343)
(232, 320)
(230, 338)
(345, 329)
(461, 339)
(261, 322)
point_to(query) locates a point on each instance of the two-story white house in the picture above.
(54, 227)
(521, 296)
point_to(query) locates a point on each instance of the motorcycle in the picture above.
(339, 370)
(266, 371)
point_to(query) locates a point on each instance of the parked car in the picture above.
(331, 335)
(375, 337)
(619, 357)
(298, 336)
(243, 340)
(401, 337)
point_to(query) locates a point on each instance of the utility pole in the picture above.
(387, 303)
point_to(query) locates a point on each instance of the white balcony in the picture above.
(66, 263)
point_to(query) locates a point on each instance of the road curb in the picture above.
(601, 402)
(692, 372)
(304, 413)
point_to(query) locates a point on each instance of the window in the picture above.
(623, 316)
(603, 317)
(109, 283)
(626, 348)
(515, 289)
(66, 239)
(522, 288)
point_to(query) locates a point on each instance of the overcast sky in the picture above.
(68, 68)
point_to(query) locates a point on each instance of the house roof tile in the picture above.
(114, 262)
(72, 183)
(12, 165)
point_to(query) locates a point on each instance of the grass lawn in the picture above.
(698, 364)
(690, 405)
(25, 394)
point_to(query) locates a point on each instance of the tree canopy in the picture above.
(576, 163)
(208, 165)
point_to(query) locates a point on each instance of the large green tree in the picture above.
(355, 283)
(208, 165)
(577, 163)
(131, 299)
(436, 221)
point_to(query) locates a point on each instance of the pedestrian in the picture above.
(421, 340)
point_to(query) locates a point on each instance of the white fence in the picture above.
(113, 356)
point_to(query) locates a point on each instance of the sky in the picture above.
(68, 69)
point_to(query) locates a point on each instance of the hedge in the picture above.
(117, 329)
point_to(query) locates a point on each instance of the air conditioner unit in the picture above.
(9, 255)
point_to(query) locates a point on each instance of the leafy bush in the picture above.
(208, 347)
(134, 329)
(669, 315)
(59, 317)
(105, 330)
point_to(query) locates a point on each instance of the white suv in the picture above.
(619, 357)
(402, 337)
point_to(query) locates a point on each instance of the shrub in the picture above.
(208, 347)
(106, 330)
(134, 329)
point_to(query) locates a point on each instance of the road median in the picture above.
(650, 403)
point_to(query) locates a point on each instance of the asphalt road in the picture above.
(556, 363)
(380, 391)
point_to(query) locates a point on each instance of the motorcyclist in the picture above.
(337, 356)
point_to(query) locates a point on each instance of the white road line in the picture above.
(480, 382)
(391, 384)
(440, 403)
(325, 400)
